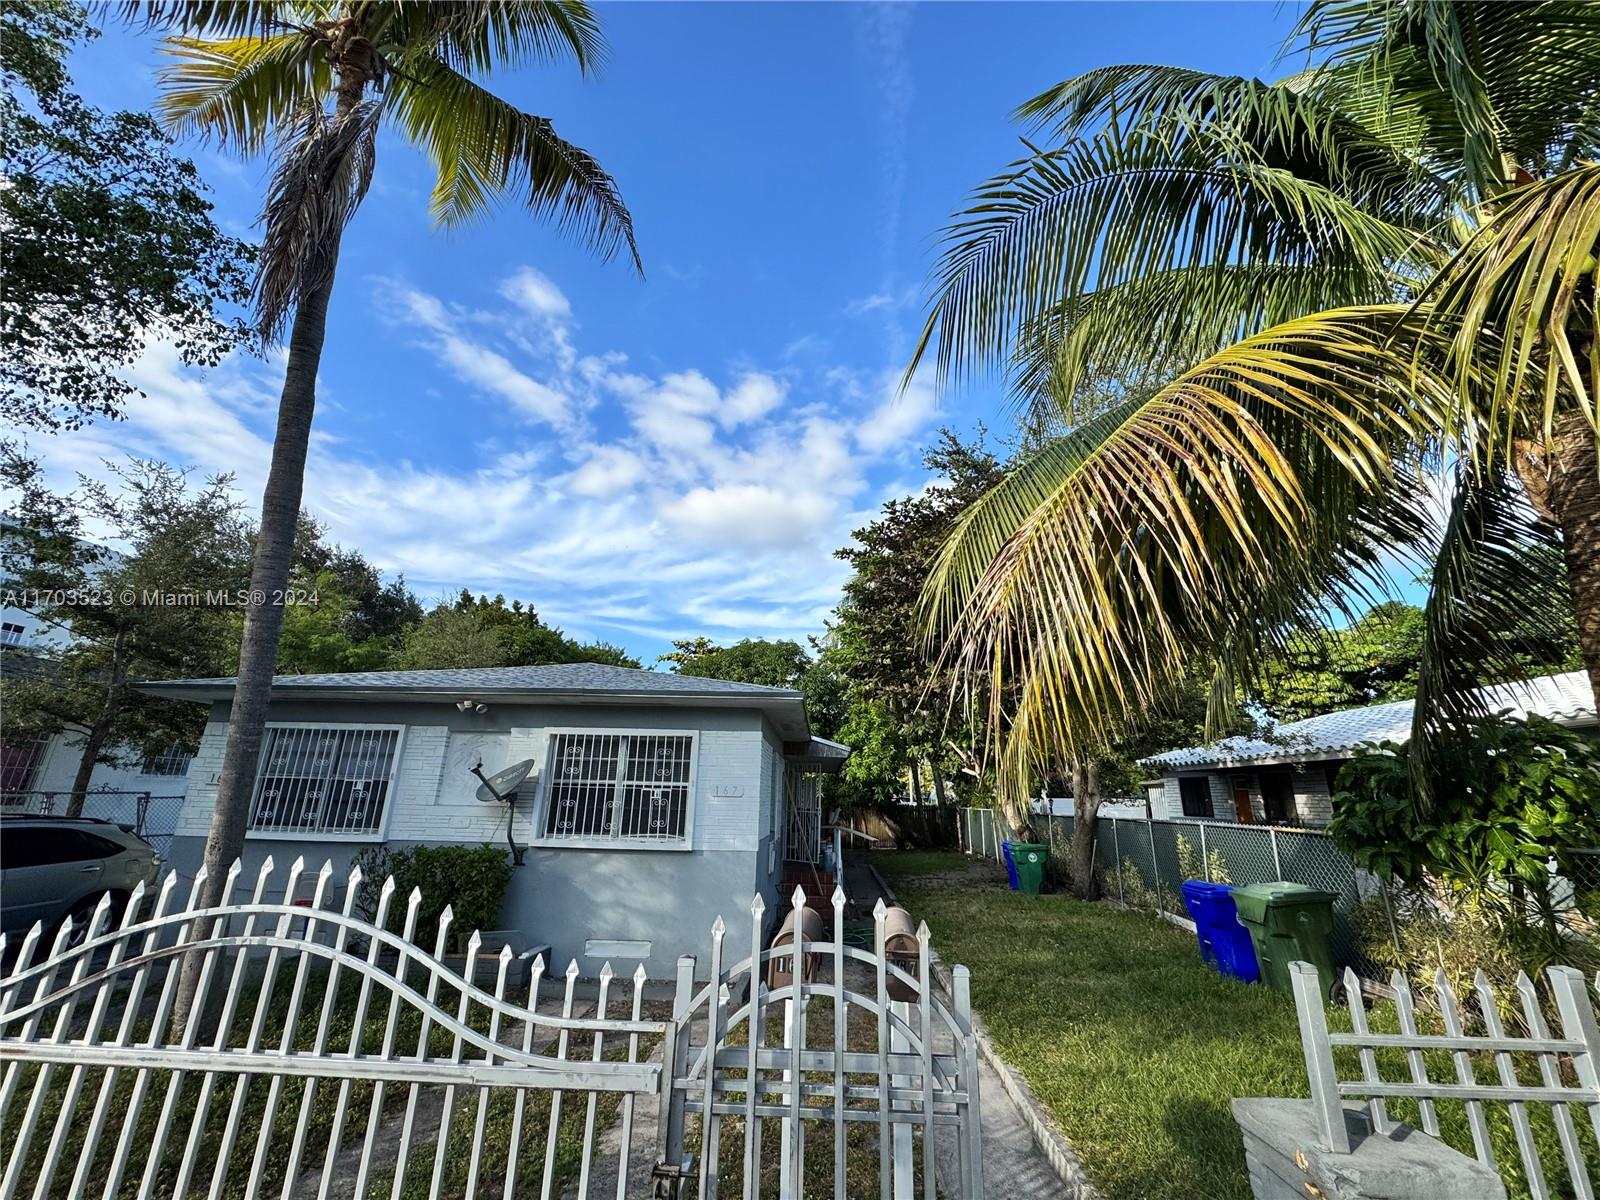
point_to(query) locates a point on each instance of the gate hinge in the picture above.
(667, 1179)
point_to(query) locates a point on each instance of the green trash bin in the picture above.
(1289, 922)
(1030, 859)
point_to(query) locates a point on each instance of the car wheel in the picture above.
(81, 913)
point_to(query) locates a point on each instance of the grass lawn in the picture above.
(1133, 1045)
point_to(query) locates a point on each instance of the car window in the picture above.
(35, 846)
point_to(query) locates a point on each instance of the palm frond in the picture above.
(1260, 482)
(484, 149)
(1095, 214)
(220, 18)
(1156, 325)
(1519, 300)
(1491, 86)
(241, 90)
(483, 35)
(1497, 605)
(323, 169)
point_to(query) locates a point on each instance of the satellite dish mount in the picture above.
(502, 787)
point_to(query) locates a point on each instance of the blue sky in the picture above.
(647, 460)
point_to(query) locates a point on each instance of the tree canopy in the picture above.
(106, 237)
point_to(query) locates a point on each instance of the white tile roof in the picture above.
(1566, 699)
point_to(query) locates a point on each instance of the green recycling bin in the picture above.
(1288, 922)
(1030, 859)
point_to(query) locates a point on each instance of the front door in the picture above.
(1241, 800)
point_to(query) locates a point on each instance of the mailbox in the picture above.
(901, 948)
(780, 968)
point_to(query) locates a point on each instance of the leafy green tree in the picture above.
(108, 237)
(779, 664)
(476, 631)
(1331, 279)
(528, 641)
(894, 686)
(319, 80)
(129, 615)
(1372, 661)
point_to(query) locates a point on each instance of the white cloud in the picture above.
(673, 502)
(537, 293)
(899, 415)
(755, 396)
(748, 515)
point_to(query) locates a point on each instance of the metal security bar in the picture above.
(324, 780)
(319, 1053)
(174, 760)
(619, 786)
(1396, 1066)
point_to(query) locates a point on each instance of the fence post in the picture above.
(1205, 853)
(1155, 864)
(676, 1064)
(1388, 912)
(1116, 850)
(1578, 1024)
(1277, 863)
(1320, 1071)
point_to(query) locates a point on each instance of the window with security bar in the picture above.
(174, 760)
(618, 787)
(321, 780)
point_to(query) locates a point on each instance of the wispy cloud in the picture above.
(627, 504)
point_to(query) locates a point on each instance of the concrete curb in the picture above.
(1052, 1143)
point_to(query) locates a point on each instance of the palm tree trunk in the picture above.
(1085, 826)
(95, 740)
(269, 575)
(1573, 498)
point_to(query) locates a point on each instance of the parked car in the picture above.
(52, 868)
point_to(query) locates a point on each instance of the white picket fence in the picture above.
(328, 1056)
(1566, 1066)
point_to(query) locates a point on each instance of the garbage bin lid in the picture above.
(1283, 894)
(1200, 887)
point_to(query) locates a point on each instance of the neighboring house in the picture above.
(656, 802)
(1287, 778)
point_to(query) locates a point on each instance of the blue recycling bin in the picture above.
(1224, 942)
(1011, 866)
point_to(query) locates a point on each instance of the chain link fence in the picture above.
(152, 817)
(1143, 863)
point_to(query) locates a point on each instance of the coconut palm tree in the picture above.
(1352, 286)
(316, 81)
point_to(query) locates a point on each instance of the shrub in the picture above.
(470, 880)
(1214, 868)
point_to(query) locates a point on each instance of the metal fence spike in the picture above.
(606, 972)
(639, 975)
(798, 897)
(758, 906)
(719, 927)
(572, 969)
(879, 909)
(839, 900)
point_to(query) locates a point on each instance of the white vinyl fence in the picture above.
(329, 1055)
(1538, 1079)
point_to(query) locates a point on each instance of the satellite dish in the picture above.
(503, 784)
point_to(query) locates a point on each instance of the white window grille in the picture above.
(174, 760)
(619, 787)
(315, 779)
(10, 634)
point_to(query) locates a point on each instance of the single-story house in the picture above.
(1287, 777)
(654, 803)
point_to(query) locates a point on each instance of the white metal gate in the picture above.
(332, 1056)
